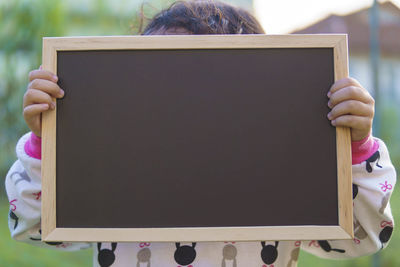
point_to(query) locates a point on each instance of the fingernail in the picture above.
(45, 106)
(329, 94)
(333, 122)
(329, 104)
(62, 93)
(329, 115)
(55, 78)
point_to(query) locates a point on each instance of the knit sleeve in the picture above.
(373, 183)
(23, 187)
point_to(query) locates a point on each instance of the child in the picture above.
(352, 106)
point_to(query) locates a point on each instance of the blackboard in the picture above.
(202, 143)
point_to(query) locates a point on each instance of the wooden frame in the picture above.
(51, 233)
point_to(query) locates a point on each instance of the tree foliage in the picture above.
(23, 24)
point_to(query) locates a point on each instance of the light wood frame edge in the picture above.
(209, 234)
(343, 143)
(52, 45)
(49, 62)
(193, 41)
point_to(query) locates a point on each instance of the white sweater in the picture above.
(373, 183)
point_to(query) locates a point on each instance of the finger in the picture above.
(32, 116)
(358, 123)
(343, 83)
(31, 113)
(350, 93)
(34, 110)
(351, 107)
(46, 86)
(34, 96)
(42, 74)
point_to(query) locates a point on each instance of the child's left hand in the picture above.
(352, 106)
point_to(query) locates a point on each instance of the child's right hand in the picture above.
(38, 98)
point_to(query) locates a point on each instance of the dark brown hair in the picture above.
(204, 17)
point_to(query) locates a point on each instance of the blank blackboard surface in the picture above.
(187, 138)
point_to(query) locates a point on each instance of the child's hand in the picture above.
(38, 98)
(352, 106)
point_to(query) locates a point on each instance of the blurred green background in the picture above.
(23, 23)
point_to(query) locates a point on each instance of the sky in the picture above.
(284, 16)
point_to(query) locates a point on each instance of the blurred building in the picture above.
(356, 25)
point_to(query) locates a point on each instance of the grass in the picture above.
(388, 257)
(18, 254)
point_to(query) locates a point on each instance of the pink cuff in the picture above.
(33, 147)
(363, 149)
(360, 150)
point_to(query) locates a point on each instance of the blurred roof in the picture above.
(356, 25)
